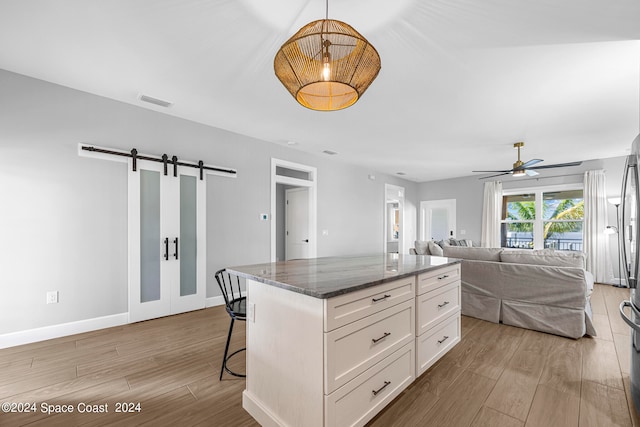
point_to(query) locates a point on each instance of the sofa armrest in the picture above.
(588, 277)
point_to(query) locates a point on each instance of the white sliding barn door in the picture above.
(167, 247)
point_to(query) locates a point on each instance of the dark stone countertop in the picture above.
(332, 276)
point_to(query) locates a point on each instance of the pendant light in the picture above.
(327, 65)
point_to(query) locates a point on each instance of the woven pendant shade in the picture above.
(327, 65)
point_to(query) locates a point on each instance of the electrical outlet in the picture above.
(52, 297)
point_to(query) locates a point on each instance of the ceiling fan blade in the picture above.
(504, 171)
(530, 163)
(558, 165)
(530, 172)
(493, 176)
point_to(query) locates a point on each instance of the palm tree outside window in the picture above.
(543, 218)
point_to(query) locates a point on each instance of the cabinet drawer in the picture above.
(432, 307)
(361, 399)
(433, 344)
(436, 278)
(352, 349)
(350, 307)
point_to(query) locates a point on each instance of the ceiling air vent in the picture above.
(156, 101)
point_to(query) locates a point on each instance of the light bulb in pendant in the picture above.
(326, 67)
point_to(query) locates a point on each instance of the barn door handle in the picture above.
(166, 249)
(175, 241)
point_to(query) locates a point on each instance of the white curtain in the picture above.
(491, 213)
(596, 243)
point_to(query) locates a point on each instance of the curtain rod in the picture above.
(164, 159)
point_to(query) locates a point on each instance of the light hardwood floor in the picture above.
(496, 376)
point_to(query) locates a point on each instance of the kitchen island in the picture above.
(331, 341)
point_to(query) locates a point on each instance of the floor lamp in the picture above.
(611, 229)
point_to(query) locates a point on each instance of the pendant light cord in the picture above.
(327, 10)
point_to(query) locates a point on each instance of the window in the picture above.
(547, 217)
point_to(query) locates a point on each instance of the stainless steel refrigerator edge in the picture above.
(630, 244)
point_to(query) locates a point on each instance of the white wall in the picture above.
(64, 217)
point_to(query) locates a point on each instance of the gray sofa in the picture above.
(546, 290)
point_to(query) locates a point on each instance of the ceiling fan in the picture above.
(526, 169)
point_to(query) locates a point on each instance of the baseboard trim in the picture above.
(64, 329)
(214, 301)
(29, 336)
(219, 300)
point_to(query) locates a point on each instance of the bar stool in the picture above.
(236, 307)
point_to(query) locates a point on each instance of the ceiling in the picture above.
(461, 80)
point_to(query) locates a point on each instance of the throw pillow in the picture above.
(422, 247)
(435, 249)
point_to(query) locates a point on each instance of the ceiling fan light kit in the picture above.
(327, 65)
(521, 169)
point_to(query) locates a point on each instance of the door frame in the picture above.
(311, 184)
(449, 204)
(394, 193)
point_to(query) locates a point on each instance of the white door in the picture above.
(297, 223)
(438, 219)
(167, 248)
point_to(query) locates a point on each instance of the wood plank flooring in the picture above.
(496, 376)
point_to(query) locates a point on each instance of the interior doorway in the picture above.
(438, 219)
(298, 182)
(393, 219)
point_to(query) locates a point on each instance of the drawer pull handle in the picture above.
(375, 392)
(443, 339)
(386, 334)
(443, 304)
(443, 277)
(381, 298)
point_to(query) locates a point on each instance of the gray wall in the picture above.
(468, 192)
(64, 217)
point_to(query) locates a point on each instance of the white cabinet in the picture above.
(361, 399)
(339, 361)
(438, 315)
(354, 348)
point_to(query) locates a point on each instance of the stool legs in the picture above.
(226, 350)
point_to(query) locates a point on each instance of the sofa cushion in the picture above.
(555, 258)
(478, 254)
